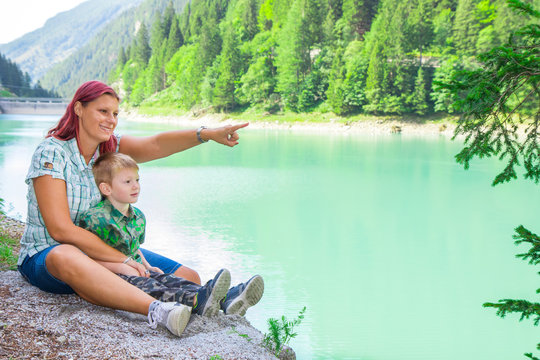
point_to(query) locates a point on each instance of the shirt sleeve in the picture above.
(47, 160)
(94, 222)
(84, 221)
(143, 233)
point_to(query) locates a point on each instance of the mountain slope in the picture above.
(62, 35)
(98, 57)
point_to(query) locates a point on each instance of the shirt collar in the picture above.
(78, 157)
(116, 214)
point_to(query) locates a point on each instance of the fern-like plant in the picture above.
(281, 331)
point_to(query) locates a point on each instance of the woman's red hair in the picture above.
(68, 126)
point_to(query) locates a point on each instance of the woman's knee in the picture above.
(188, 274)
(63, 257)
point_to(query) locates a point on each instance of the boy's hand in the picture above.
(139, 267)
(154, 269)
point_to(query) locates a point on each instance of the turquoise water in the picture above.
(390, 245)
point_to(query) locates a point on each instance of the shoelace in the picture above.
(156, 316)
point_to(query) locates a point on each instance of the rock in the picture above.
(287, 353)
(61, 339)
(37, 321)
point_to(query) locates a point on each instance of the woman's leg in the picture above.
(188, 274)
(171, 267)
(93, 282)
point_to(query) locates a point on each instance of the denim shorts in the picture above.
(35, 271)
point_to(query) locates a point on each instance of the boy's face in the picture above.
(125, 186)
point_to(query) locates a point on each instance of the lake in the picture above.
(391, 245)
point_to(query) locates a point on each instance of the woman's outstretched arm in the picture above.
(158, 146)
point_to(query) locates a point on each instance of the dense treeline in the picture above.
(345, 56)
(13, 82)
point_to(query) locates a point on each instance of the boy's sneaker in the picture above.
(243, 296)
(174, 316)
(210, 295)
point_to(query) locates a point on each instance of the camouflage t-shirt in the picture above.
(124, 233)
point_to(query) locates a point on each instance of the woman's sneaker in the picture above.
(174, 316)
(243, 296)
(210, 295)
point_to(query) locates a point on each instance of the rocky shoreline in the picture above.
(375, 126)
(38, 325)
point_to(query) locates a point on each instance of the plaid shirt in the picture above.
(124, 233)
(62, 160)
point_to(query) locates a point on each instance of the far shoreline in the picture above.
(374, 126)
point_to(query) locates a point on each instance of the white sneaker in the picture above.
(174, 316)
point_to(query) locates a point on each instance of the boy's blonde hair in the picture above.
(108, 164)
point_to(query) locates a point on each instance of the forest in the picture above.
(13, 82)
(340, 56)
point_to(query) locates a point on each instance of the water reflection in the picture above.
(391, 245)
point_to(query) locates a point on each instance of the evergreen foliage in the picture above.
(13, 82)
(142, 46)
(348, 56)
(497, 99)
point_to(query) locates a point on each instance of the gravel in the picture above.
(38, 325)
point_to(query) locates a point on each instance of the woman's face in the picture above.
(98, 119)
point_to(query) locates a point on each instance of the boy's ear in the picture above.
(105, 189)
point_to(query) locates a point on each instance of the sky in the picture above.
(18, 17)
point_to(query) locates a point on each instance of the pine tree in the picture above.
(169, 15)
(335, 92)
(228, 71)
(210, 42)
(494, 100)
(359, 15)
(466, 27)
(122, 58)
(174, 41)
(184, 21)
(292, 59)
(142, 50)
(299, 35)
(419, 31)
(419, 96)
(155, 72)
(249, 20)
(158, 32)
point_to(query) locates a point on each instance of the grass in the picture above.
(9, 247)
(8, 253)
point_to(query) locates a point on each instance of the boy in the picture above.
(122, 226)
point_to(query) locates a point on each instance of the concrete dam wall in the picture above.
(42, 106)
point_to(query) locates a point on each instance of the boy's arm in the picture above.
(119, 268)
(147, 264)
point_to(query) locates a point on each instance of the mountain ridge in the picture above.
(62, 35)
(97, 58)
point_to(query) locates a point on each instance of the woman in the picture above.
(56, 255)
